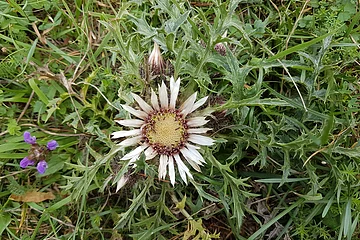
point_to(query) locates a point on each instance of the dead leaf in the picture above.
(33, 196)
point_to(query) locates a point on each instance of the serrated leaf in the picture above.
(72, 116)
(171, 25)
(142, 26)
(13, 127)
(350, 152)
(196, 230)
(202, 193)
(181, 204)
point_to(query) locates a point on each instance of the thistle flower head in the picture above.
(220, 47)
(166, 131)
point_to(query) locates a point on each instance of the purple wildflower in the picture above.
(42, 166)
(52, 145)
(26, 162)
(28, 138)
(37, 153)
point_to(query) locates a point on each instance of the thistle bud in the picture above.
(220, 47)
(156, 62)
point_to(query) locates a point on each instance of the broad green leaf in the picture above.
(299, 47)
(38, 92)
(5, 219)
(279, 180)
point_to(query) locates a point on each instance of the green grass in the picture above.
(283, 105)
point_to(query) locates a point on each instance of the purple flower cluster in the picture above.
(37, 153)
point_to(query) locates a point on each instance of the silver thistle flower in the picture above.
(166, 131)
